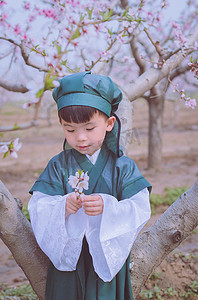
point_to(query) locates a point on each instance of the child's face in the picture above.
(87, 137)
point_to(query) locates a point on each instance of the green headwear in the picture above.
(92, 90)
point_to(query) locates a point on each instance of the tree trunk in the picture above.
(16, 232)
(148, 250)
(156, 110)
(173, 226)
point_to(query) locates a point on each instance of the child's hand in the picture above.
(72, 204)
(93, 204)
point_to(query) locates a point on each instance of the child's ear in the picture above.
(110, 123)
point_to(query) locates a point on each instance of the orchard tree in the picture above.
(131, 43)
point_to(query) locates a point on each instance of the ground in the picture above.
(179, 168)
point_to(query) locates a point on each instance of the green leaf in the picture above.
(11, 146)
(125, 12)
(63, 62)
(76, 35)
(43, 53)
(107, 15)
(89, 12)
(110, 32)
(15, 127)
(81, 17)
(34, 49)
(5, 154)
(40, 93)
(58, 49)
(80, 172)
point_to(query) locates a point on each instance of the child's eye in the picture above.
(70, 130)
(89, 129)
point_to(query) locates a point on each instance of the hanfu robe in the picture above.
(89, 254)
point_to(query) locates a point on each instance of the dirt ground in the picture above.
(179, 168)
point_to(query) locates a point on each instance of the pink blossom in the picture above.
(120, 37)
(16, 145)
(195, 45)
(13, 153)
(175, 25)
(25, 37)
(4, 16)
(49, 13)
(3, 149)
(191, 103)
(27, 5)
(26, 105)
(32, 18)
(56, 83)
(17, 29)
(2, 3)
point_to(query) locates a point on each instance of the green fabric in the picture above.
(119, 177)
(92, 90)
(88, 89)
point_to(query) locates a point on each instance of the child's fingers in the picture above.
(90, 199)
(93, 205)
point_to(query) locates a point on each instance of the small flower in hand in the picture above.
(79, 182)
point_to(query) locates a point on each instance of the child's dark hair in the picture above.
(78, 113)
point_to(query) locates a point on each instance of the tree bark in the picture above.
(156, 110)
(16, 232)
(151, 77)
(164, 236)
(148, 250)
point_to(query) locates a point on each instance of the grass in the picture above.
(23, 292)
(191, 292)
(171, 194)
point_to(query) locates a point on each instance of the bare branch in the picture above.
(25, 56)
(13, 87)
(135, 52)
(151, 77)
(19, 126)
(161, 51)
(177, 72)
(9, 40)
(124, 3)
(6, 54)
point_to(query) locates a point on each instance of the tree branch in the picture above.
(151, 77)
(124, 3)
(16, 233)
(148, 250)
(135, 52)
(26, 58)
(13, 87)
(19, 126)
(24, 54)
(164, 236)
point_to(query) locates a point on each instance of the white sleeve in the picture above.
(56, 235)
(111, 235)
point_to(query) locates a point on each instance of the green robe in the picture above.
(118, 177)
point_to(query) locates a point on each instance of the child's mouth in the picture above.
(82, 147)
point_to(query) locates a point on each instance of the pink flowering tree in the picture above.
(142, 52)
(131, 42)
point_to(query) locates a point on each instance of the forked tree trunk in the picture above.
(148, 250)
(156, 110)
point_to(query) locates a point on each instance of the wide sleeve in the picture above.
(55, 234)
(54, 177)
(111, 235)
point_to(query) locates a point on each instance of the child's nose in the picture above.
(81, 136)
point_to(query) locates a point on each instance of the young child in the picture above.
(88, 239)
